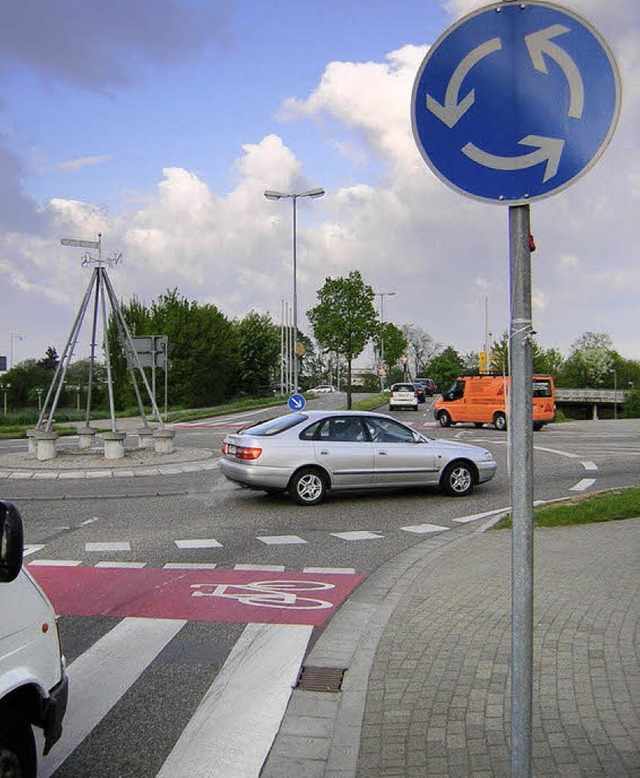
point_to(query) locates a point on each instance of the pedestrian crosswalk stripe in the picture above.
(101, 675)
(109, 546)
(198, 543)
(232, 730)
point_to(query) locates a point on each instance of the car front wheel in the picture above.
(458, 479)
(308, 487)
(444, 419)
(17, 747)
(500, 422)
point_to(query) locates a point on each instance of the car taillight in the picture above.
(248, 453)
(225, 449)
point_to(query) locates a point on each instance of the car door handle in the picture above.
(382, 453)
(323, 452)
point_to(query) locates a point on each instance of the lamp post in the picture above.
(14, 336)
(382, 295)
(5, 388)
(294, 196)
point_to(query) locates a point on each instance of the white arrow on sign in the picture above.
(549, 150)
(539, 43)
(452, 110)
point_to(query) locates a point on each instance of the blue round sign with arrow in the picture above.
(515, 101)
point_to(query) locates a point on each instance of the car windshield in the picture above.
(274, 426)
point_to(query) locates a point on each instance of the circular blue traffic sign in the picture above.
(515, 101)
(296, 402)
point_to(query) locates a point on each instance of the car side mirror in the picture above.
(11, 542)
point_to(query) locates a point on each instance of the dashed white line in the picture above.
(421, 529)
(198, 543)
(582, 485)
(357, 535)
(280, 540)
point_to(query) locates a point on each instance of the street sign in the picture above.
(296, 402)
(515, 102)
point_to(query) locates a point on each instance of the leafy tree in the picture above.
(590, 362)
(259, 348)
(25, 379)
(345, 318)
(421, 349)
(499, 357)
(390, 341)
(446, 367)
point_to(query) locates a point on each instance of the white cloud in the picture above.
(71, 165)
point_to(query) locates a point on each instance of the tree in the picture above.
(51, 360)
(421, 349)
(591, 361)
(446, 367)
(259, 347)
(345, 318)
(390, 341)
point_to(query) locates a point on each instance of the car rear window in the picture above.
(274, 426)
(403, 388)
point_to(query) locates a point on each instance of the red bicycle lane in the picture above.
(239, 596)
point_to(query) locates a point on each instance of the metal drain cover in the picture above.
(321, 679)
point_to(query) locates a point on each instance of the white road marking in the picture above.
(131, 565)
(357, 535)
(589, 466)
(189, 566)
(420, 529)
(475, 516)
(32, 549)
(582, 485)
(102, 674)
(198, 543)
(331, 570)
(264, 568)
(232, 730)
(114, 546)
(55, 563)
(280, 540)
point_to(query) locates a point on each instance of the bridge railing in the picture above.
(590, 395)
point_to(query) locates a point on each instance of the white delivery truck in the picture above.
(33, 683)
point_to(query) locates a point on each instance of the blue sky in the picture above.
(160, 124)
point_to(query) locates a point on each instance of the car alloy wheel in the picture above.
(500, 422)
(458, 479)
(444, 419)
(308, 487)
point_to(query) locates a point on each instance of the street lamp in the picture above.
(615, 392)
(14, 336)
(294, 196)
(382, 295)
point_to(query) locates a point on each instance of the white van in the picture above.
(33, 684)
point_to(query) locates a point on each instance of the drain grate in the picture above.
(321, 679)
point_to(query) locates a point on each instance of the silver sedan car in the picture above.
(310, 453)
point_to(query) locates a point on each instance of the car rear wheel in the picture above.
(500, 422)
(458, 479)
(444, 419)
(308, 487)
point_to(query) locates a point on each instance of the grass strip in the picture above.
(612, 505)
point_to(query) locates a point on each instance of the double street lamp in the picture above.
(294, 197)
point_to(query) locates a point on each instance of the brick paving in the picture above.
(439, 689)
(426, 646)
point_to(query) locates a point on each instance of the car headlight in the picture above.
(488, 455)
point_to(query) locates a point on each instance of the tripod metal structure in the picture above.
(100, 291)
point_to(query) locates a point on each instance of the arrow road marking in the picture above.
(539, 43)
(549, 150)
(452, 110)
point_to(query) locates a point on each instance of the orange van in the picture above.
(483, 399)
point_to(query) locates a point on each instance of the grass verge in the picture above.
(611, 505)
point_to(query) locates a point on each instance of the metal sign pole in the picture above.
(520, 430)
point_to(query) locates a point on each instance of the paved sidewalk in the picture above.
(426, 647)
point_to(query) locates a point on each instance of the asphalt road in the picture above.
(199, 519)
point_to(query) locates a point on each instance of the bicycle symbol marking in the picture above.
(268, 594)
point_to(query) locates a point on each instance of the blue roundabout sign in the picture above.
(515, 101)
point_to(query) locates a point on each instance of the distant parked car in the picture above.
(310, 453)
(429, 385)
(323, 389)
(420, 393)
(403, 396)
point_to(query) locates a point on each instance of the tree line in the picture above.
(213, 359)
